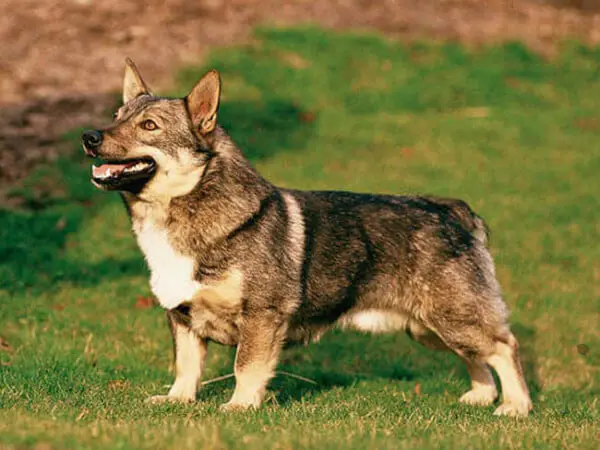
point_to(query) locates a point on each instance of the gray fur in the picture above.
(311, 260)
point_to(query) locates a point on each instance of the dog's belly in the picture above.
(367, 320)
(374, 320)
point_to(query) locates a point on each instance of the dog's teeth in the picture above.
(137, 166)
(107, 171)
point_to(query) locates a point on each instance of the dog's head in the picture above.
(155, 145)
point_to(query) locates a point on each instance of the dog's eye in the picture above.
(149, 125)
(115, 115)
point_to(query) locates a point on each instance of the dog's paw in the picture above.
(160, 399)
(480, 397)
(236, 407)
(520, 409)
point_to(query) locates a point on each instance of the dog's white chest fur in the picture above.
(172, 274)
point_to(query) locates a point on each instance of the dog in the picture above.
(241, 262)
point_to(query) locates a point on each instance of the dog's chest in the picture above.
(172, 274)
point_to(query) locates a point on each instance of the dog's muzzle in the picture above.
(92, 140)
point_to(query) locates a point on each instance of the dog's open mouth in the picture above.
(123, 174)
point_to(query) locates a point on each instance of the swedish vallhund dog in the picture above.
(239, 261)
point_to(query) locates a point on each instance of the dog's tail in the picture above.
(468, 218)
(481, 231)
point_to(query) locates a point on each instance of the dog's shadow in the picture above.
(343, 359)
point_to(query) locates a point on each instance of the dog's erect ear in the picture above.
(133, 84)
(203, 102)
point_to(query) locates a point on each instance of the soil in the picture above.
(62, 60)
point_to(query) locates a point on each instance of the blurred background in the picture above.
(61, 60)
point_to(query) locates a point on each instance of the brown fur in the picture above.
(239, 261)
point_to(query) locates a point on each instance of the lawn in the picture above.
(516, 136)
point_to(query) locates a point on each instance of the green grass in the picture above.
(514, 135)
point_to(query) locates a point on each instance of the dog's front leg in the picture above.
(190, 359)
(261, 340)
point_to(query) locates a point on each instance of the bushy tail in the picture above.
(480, 230)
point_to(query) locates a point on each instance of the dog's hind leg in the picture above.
(465, 309)
(506, 362)
(483, 388)
(424, 336)
(478, 344)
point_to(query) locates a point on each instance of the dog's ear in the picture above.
(133, 84)
(203, 102)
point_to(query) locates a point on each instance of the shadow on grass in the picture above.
(263, 129)
(344, 359)
(31, 253)
(340, 360)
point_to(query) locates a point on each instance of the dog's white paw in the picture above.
(159, 399)
(482, 396)
(520, 409)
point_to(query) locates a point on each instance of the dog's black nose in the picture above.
(92, 139)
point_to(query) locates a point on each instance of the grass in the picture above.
(514, 135)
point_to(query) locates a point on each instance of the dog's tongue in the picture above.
(109, 170)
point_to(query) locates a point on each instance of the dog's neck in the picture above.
(227, 192)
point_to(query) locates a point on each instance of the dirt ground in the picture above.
(62, 59)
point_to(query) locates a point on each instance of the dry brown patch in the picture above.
(63, 57)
